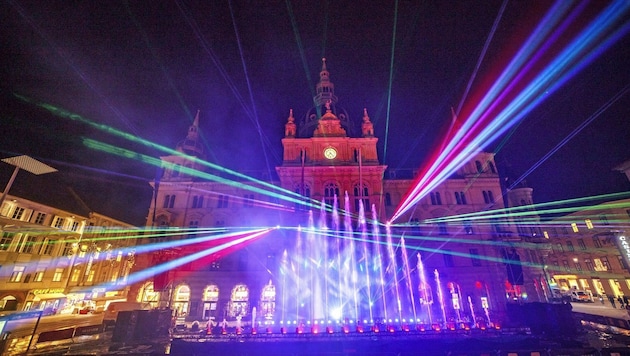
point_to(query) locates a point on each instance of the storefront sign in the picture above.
(47, 291)
(624, 246)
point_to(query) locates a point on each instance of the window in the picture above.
(468, 228)
(479, 167)
(436, 199)
(223, 201)
(581, 244)
(361, 194)
(558, 248)
(39, 219)
(330, 191)
(603, 219)
(75, 226)
(474, 257)
(58, 223)
(193, 225)
(90, 277)
(488, 197)
(570, 247)
(589, 223)
(388, 199)
(47, 247)
(17, 213)
(448, 259)
(578, 266)
(606, 263)
(460, 198)
(492, 168)
(5, 241)
(574, 227)
(27, 244)
(67, 249)
(589, 264)
(75, 275)
(442, 228)
(16, 275)
(596, 242)
(169, 201)
(39, 276)
(197, 202)
(565, 263)
(248, 200)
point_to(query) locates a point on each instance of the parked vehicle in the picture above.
(581, 296)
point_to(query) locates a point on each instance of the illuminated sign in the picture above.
(484, 302)
(47, 291)
(624, 246)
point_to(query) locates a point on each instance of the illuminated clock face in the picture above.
(330, 153)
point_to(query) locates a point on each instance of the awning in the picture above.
(49, 296)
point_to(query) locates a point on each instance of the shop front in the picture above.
(49, 300)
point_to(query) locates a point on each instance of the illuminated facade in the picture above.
(59, 261)
(321, 162)
(590, 250)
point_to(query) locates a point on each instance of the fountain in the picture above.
(340, 275)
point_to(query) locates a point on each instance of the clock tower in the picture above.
(326, 162)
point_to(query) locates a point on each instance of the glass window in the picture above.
(58, 274)
(39, 219)
(17, 213)
(436, 199)
(570, 247)
(581, 244)
(474, 257)
(448, 259)
(16, 275)
(5, 241)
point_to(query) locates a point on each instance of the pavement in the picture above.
(601, 309)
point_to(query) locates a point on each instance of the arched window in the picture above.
(210, 301)
(492, 168)
(435, 198)
(331, 190)
(169, 201)
(181, 298)
(460, 198)
(305, 191)
(479, 167)
(361, 193)
(239, 301)
(149, 295)
(268, 301)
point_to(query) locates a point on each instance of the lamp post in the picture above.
(28, 164)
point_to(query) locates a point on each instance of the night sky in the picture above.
(146, 67)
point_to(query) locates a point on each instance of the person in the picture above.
(611, 299)
(625, 301)
(601, 299)
(620, 302)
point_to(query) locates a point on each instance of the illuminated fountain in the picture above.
(356, 277)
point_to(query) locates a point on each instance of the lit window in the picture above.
(58, 274)
(589, 224)
(574, 227)
(39, 276)
(16, 276)
(59, 221)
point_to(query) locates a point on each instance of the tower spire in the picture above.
(191, 145)
(325, 89)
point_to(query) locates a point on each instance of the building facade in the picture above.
(60, 261)
(456, 255)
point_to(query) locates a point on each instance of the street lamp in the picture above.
(28, 164)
